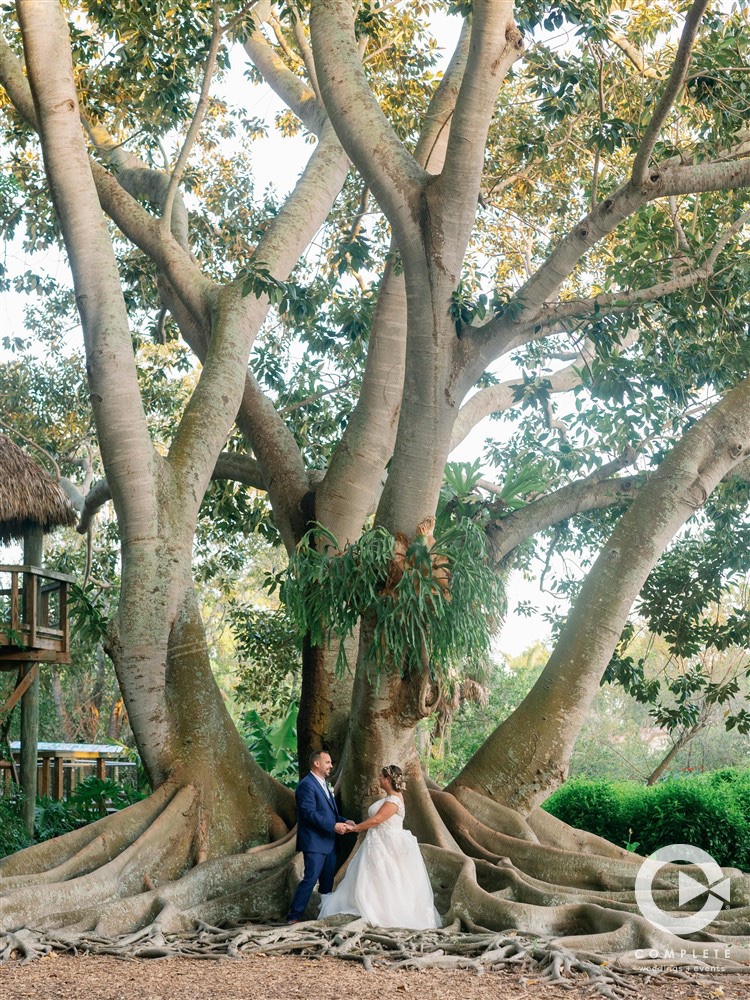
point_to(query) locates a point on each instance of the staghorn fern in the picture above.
(327, 590)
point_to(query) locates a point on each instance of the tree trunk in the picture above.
(682, 741)
(32, 556)
(178, 716)
(63, 717)
(386, 709)
(325, 700)
(527, 756)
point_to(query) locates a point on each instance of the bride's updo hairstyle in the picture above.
(396, 777)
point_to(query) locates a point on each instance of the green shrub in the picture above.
(708, 811)
(53, 818)
(735, 782)
(692, 812)
(274, 746)
(13, 835)
(591, 805)
(89, 801)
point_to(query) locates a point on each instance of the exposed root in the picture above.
(140, 890)
(162, 852)
(552, 832)
(202, 894)
(23, 946)
(496, 816)
(481, 951)
(425, 821)
(546, 863)
(105, 839)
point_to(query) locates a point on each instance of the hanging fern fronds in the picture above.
(437, 603)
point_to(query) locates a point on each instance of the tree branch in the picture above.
(189, 291)
(681, 243)
(365, 133)
(16, 84)
(215, 400)
(279, 461)
(299, 97)
(239, 468)
(354, 478)
(433, 139)
(135, 222)
(495, 44)
(284, 45)
(95, 499)
(525, 745)
(230, 465)
(675, 82)
(140, 180)
(619, 301)
(633, 53)
(510, 328)
(696, 178)
(286, 236)
(519, 323)
(498, 398)
(594, 492)
(195, 124)
(306, 51)
(345, 497)
(124, 440)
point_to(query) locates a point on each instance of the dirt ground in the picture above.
(258, 977)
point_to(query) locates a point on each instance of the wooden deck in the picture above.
(34, 624)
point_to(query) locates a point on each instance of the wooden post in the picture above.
(101, 764)
(31, 595)
(64, 620)
(45, 782)
(15, 623)
(57, 778)
(32, 556)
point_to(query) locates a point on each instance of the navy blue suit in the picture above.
(317, 815)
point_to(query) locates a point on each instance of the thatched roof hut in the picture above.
(28, 495)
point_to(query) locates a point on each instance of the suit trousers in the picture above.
(317, 867)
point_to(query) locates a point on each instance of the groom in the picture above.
(318, 822)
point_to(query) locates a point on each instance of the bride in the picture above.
(386, 881)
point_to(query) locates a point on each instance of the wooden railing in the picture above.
(34, 623)
(59, 765)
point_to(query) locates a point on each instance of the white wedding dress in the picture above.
(386, 881)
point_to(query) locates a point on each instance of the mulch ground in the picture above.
(258, 977)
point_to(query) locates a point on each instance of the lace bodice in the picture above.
(398, 817)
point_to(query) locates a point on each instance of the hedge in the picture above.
(710, 811)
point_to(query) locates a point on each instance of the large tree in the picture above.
(585, 202)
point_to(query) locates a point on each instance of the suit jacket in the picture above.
(317, 815)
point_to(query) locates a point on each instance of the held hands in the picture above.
(345, 827)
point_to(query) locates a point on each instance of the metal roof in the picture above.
(112, 750)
